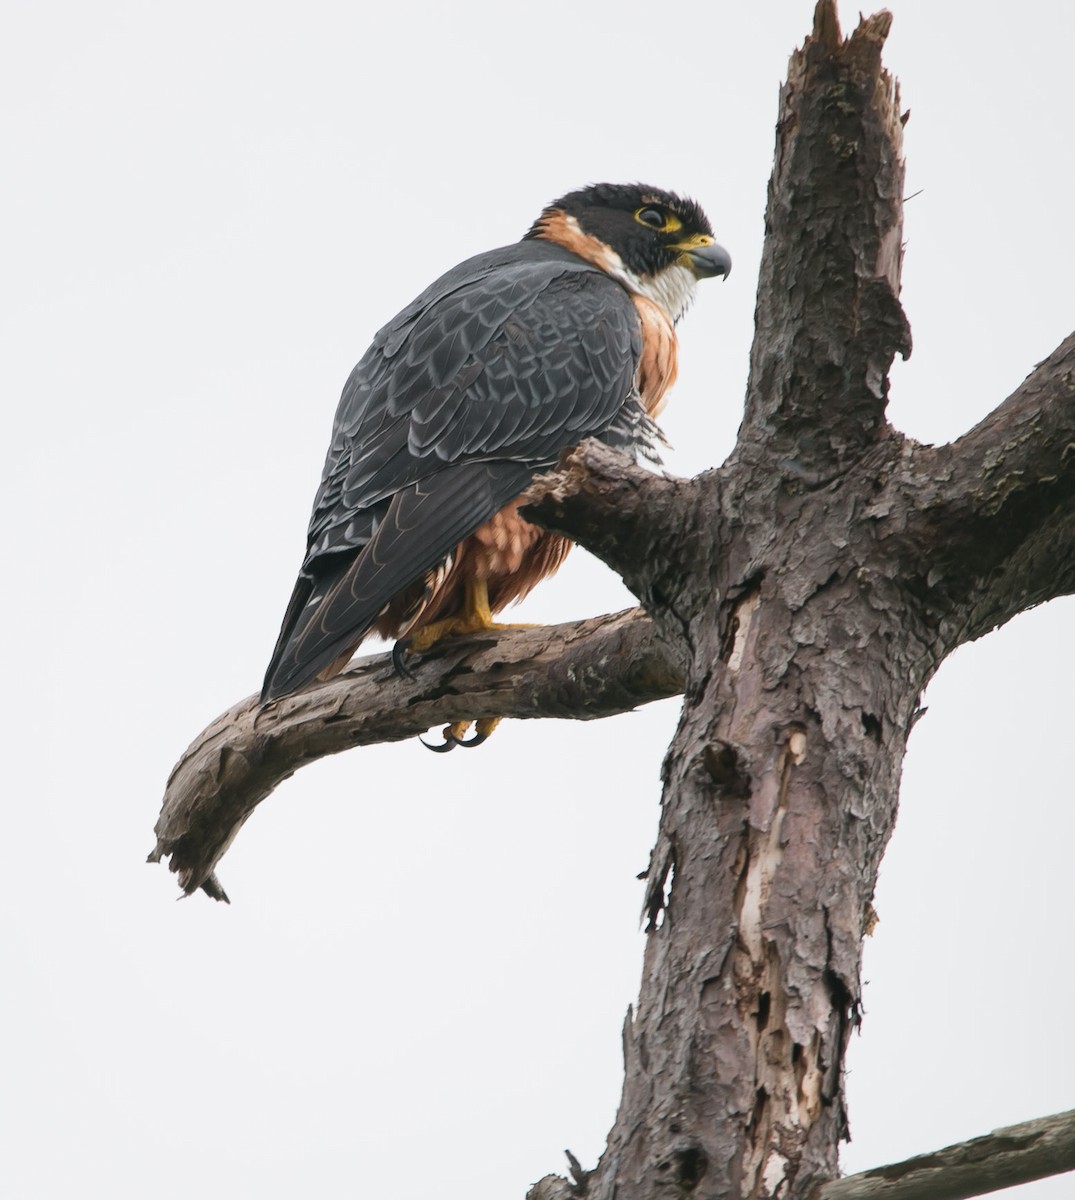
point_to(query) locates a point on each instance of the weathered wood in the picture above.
(580, 670)
(991, 522)
(1001, 1159)
(805, 664)
(828, 321)
(823, 654)
(824, 573)
(636, 521)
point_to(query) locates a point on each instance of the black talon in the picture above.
(402, 670)
(450, 742)
(471, 742)
(444, 747)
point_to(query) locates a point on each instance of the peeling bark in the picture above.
(801, 595)
(581, 670)
(828, 568)
(994, 507)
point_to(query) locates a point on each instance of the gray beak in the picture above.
(706, 261)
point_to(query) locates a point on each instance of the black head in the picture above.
(650, 229)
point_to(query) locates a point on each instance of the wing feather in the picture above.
(475, 387)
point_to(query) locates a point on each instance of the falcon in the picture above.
(478, 385)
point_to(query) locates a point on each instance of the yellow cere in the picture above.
(693, 242)
(689, 244)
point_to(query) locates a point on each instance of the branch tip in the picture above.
(582, 670)
(865, 42)
(874, 29)
(826, 31)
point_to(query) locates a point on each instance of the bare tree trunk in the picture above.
(823, 577)
(803, 594)
(806, 658)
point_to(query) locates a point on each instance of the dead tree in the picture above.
(800, 596)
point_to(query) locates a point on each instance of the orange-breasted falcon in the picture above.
(474, 388)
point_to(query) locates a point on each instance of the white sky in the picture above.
(420, 983)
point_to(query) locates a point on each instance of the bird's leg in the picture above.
(476, 617)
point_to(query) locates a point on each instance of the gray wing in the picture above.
(466, 395)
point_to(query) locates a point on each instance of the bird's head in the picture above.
(656, 243)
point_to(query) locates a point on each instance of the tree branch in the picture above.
(580, 670)
(1018, 1154)
(641, 524)
(828, 321)
(604, 501)
(996, 507)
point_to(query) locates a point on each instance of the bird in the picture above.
(477, 386)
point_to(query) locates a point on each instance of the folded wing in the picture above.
(472, 390)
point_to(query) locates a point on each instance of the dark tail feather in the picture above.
(304, 589)
(424, 523)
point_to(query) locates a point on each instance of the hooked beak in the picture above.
(707, 261)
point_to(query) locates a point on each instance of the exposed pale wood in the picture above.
(1001, 1159)
(802, 681)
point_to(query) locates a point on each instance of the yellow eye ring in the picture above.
(658, 219)
(653, 217)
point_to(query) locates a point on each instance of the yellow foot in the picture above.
(425, 639)
(476, 617)
(432, 635)
(456, 735)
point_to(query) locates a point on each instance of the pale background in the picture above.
(418, 989)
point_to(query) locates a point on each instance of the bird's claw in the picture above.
(449, 743)
(398, 662)
(455, 735)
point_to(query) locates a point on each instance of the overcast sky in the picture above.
(420, 983)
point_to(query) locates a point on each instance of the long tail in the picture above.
(334, 604)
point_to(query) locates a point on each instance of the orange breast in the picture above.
(659, 362)
(510, 554)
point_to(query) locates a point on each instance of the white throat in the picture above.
(672, 288)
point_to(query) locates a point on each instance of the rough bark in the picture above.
(1001, 1159)
(828, 568)
(805, 660)
(994, 507)
(803, 593)
(580, 670)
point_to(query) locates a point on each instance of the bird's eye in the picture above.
(653, 217)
